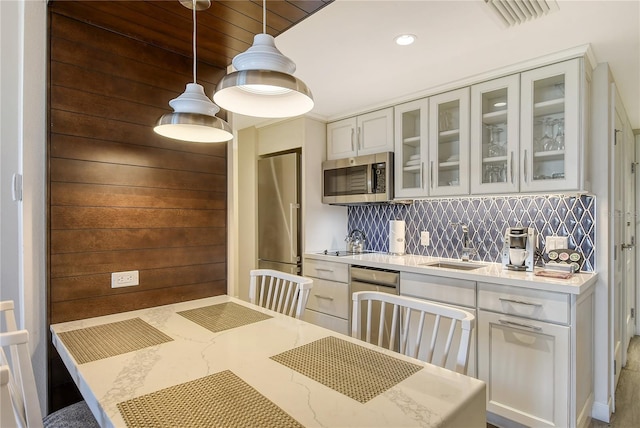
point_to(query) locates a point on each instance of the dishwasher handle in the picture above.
(375, 276)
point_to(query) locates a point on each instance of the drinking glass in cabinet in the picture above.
(548, 138)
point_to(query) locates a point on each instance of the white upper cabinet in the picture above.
(449, 143)
(495, 132)
(551, 128)
(361, 135)
(411, 149)
(523, 132)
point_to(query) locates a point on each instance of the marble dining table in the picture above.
(221, 361)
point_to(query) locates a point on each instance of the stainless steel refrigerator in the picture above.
(279, 213)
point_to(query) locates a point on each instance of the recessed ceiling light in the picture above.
(405, 39)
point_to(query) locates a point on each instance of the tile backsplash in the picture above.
(487, 217)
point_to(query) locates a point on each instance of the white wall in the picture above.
(23, 80)
(245, 229)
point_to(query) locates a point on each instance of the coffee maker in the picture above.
(518, 251)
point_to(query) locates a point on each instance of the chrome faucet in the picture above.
(468, 249)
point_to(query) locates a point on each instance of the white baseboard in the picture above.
(602, 411)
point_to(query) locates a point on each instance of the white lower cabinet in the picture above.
(328, 304)
(534, 353)
(533, 348)
(526, 367)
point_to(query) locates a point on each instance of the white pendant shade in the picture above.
(263, 85)
(194, 114)
(194, 118)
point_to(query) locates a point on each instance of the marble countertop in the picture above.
(432, 396)
(494, 273)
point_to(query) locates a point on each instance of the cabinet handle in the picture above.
(525, 165)
(324, 269)
(520, 302)
(352, 147)
(422, 183)
(517, 324)
(323, 297)
(431, 174)
(511, 167)
(359, 140)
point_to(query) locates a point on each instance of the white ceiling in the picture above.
(346, 54)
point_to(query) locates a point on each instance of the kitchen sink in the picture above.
(454, 265)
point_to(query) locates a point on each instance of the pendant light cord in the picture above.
(264, 16)
(194, 42)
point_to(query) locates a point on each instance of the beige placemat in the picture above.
(106, 340)
(219, 400)
(351, 369)
(223, 316)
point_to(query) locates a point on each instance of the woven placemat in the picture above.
(219, 400)
(223, 316)
(106, 340)
(351, 369)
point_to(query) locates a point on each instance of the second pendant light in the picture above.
(263, 84)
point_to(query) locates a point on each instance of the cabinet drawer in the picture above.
(440, 289)
(525, 302)
(329, 297)
(327, 321)
(326, 270)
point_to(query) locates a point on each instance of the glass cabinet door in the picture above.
(449, 143)
(551, 126)
(495, 107)
(411, 154)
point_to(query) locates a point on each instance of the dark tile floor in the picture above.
(627, 414)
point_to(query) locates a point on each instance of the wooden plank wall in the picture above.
(121, 197)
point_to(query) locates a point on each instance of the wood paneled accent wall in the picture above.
(121, 197)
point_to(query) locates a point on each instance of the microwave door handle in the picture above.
(370, 178)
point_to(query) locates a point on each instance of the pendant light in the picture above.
(194, 114)
(263, 84)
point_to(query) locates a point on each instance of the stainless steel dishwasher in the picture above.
(364, 278)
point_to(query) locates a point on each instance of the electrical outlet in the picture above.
(124, 279)
(424, 238)
(556, 242)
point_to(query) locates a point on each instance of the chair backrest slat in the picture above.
(449, 326)
(280, 291)
(447, 346)
(18, 384)
(419, 334)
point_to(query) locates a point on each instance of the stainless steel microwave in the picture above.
(357, 180)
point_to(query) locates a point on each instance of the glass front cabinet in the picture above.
(449, 143)
(518, 133)
(411, 149)
(551, 127)
(495, 107)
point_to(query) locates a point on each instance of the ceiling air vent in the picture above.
(514, 12)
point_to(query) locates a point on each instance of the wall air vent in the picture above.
(514, 12)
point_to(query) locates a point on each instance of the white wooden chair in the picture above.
(445, 325)
(280, 291)
(19, 402)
